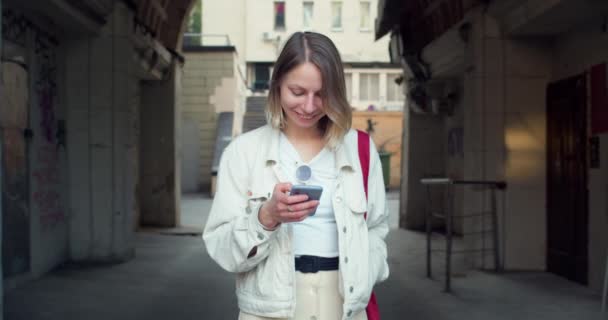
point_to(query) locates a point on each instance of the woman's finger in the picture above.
(296, 198)
(282, 188)
(304, 205)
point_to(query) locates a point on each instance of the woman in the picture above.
(291, 264)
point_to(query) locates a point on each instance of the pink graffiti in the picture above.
(47, 124)
(48, 155)
(47, 200)
(46, 176)
(51, 219)
(47, 197)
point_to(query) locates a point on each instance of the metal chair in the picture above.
(448, 216)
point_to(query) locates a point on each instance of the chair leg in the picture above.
(605, 287)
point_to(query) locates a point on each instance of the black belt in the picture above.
(312, 264)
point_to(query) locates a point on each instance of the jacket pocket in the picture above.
(354, 194)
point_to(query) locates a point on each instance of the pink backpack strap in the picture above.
(363, 144)
(372, 310)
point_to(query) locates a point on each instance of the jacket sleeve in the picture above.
(377, 220)
(233, 235)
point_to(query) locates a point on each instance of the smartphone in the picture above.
(313, 192)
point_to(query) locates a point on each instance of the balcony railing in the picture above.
(207, 40)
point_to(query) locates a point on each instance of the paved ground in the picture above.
(172, 278)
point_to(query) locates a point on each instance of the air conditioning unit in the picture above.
(269, 36)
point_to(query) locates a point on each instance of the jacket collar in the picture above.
(344, 159)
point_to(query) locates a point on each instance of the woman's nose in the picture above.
(309, 105)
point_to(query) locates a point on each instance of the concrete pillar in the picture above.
(160, 166)
(99, 82)
(1, 271)
(504, 139)
(425, 157)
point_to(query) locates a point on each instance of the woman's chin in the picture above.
(304, 123)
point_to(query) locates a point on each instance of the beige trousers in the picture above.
(317, 298)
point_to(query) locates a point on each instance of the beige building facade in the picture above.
(258, 30)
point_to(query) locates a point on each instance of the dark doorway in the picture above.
(14, 161)
(567, 213)
(262, 76)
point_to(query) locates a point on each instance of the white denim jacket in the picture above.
(263, 260)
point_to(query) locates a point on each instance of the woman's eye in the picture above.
(297, 93)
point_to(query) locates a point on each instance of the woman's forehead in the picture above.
(306, 76)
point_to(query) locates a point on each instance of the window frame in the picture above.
(341, 4)
(275, 12)
(369, 16)
(312, 5)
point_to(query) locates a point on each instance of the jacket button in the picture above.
(344, 229)
(338, 199)
(345, 259)
(248, 210)
(351, 289)
(349, 313)
(260, 236)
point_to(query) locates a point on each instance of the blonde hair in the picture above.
(319, 50)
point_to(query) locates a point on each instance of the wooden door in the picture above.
(567, 213)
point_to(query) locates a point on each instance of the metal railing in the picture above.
(207, 40)
(449, 216)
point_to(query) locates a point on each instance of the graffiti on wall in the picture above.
(46, 172)
(15, 192)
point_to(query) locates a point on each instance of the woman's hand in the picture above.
(283, 208)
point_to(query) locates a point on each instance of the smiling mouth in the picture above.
(305, 117)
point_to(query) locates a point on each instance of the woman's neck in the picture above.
(294, 133)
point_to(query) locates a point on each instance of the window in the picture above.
(369, 84)
(393, 90)
(364, 18)
(348, 79)
(262, 76)
(336, 15)
(279, 15)
(307, 9)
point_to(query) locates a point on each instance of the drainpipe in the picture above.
(1, 272)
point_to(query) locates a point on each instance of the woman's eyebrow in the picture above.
(297, 87)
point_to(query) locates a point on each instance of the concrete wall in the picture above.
(47, 158)
(99, 89)
(251, 18)
(425, 157)
(211, 84)
(453, 126)
(160, 151)
(46, 209)
(387, 132)
(575, 53)
(1, 177)
(504, 139)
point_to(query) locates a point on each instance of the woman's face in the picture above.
(301, 97)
